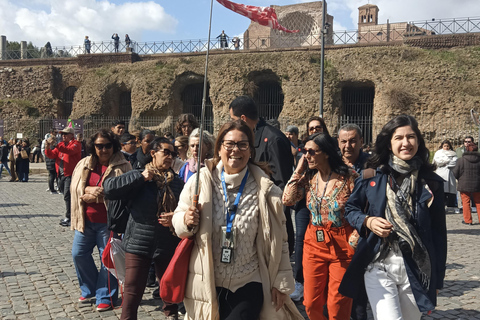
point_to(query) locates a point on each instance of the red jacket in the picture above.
(70, 153)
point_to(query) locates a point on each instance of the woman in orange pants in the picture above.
(327, 183)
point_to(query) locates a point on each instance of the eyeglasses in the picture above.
(131, 142)
(311, 152)
(168, 152)
(229, 145)
(317, 128)
(468, 141)
(101, 146)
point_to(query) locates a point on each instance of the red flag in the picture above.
(265, 16)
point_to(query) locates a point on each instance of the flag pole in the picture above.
(322, 58)
(202, 117)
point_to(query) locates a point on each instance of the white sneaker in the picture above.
(297, 295)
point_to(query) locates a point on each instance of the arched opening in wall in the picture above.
(269, 98)
(125, 107)
(191, 97)
(68, 96)
(357, 106)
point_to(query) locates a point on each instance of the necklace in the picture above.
(316, 216)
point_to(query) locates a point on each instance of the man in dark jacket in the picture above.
(271, 146)
(66, 154)
(467, 172)
(350, 141)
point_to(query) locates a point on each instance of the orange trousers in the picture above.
(324, 264)
(467, 209)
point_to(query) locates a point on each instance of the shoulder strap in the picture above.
(369, 173)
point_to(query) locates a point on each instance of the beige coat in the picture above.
(272, 249)
(117, 166)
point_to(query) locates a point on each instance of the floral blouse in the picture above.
(332, 206)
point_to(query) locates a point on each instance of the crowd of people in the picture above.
(370, 225)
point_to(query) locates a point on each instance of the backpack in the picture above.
(117, 215)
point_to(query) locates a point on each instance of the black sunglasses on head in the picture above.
(101, 146)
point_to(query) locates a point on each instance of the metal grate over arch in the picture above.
(269, 98)
(357, 104)
(192, 96)
(68, 96)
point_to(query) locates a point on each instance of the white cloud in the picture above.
(66, 22)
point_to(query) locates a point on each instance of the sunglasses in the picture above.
(311, 152)
(317, 128)
(101, 146)
(168, 152)
(229, 145)
(131, 142)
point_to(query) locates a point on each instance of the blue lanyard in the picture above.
(232, 210)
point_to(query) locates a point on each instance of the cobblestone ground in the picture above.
(38, 280)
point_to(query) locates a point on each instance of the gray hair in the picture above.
(350, 127)
(208, 141)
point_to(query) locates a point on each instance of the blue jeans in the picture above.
(93, 282)
(302, 218)
(4, 164)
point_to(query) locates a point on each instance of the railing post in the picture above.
(3, 47)
(23, 50)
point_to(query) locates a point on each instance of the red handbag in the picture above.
(106, 257)
(174, 280)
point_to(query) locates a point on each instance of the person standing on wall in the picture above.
(87, 44)
(116, 41)
(66, 154)
(223, 40)
(4, 148)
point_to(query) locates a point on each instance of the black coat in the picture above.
(140, 159)
(273, 147)
(467, 172)
(144, 235)
(4, 149)
(430, 223)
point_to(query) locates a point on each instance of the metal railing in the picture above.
(367, 35)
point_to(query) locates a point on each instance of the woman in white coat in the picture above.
(445, 159)
(239, 267)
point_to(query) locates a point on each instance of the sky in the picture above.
(67, 22)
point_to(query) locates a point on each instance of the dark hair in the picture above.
(127, 136)
(117, 122)
(156, 143)
(319, 119)
(168, 135)
(446, 142)
(382, 151)
(145, 132)
(244, 105)
(351, 127)
(186, 117)
(103, 133)
(469, 137)
(241, 126)
(327, 145)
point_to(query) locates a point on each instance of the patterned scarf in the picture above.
(165, 198)
(399, 211)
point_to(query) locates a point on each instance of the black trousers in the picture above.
(52, 176)
(245, 304)
(290, 231)
(64, 184)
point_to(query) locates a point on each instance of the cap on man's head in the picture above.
(292, 129)
(67, 130)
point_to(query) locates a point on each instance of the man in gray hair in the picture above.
(350, 141)
(292, 134)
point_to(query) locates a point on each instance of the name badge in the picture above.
(227, 254)
(227, 244)
(320, 236)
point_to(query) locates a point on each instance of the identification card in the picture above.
(226, 255)
(320, 236)
(228, 241)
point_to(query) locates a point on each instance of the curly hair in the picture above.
(103, 133)
(186, 117)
